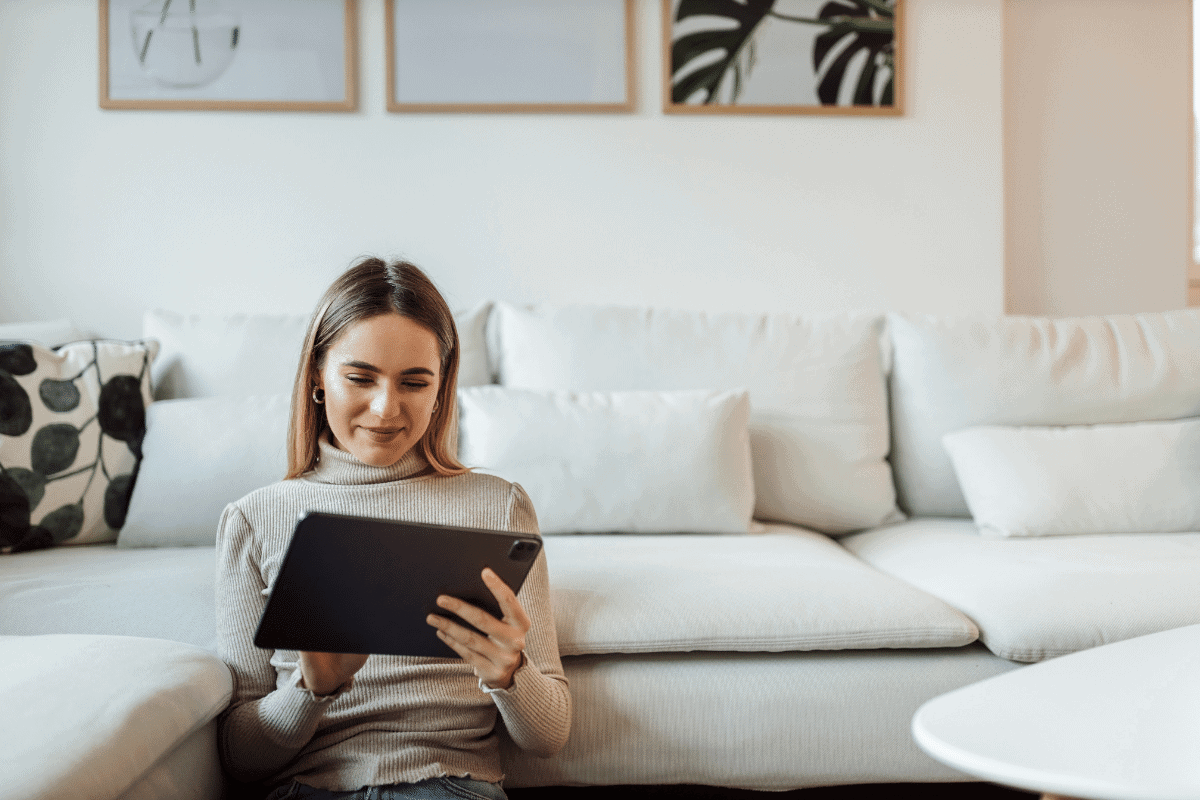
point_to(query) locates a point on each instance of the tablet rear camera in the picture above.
(522, 550)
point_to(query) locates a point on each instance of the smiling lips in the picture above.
(382, 435)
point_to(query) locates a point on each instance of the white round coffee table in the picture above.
(1118, 722)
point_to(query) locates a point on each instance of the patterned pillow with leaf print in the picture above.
(72, 420)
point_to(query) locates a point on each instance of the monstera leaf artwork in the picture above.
(802, 56)
(72, 422)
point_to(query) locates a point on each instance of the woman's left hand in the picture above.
(496, 655)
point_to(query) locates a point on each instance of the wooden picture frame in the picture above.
(300, 62)
(433, 44)
(760, 59)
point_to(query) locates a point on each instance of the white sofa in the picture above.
(790, 653)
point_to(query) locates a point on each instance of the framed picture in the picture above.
(253, 55)
(783, 57)
(510, 55)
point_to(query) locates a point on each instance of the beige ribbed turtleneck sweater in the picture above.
(402, 719)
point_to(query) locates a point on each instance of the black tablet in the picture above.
(360, 585)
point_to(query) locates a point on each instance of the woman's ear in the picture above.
(318, 387)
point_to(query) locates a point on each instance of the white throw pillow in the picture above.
(51, 333)
(72, 423)
(637, 462)
(1084, 479)
(200, 455)
(207, 355)
(819, 424)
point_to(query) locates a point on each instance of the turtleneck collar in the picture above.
(340, 467)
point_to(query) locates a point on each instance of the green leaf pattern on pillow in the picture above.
(57, 445)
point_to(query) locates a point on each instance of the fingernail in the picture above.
(431, 619)
(443, 601)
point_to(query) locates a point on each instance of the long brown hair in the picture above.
(369, 288)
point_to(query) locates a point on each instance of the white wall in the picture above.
(106, 213)
(1098, 118)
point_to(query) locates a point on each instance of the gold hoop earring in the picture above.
(318, 395)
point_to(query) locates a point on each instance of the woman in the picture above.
(372, 434)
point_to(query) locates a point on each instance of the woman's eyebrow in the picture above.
(361, 365)
(377, 370)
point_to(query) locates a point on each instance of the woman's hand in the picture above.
(496, 655)
(323, 673)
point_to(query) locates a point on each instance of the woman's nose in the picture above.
(386, 403)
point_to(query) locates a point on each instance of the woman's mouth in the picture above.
(382, 435)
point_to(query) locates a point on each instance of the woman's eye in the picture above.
(415, 384)
(358, 379)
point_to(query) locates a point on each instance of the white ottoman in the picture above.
(101, 717)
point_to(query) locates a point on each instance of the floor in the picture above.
(877, 791)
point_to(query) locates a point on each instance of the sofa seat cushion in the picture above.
(164, 593)
(91, 716)
(786, 588)
(1039, 598)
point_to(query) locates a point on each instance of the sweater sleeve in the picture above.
(265, 725)
(536, 709)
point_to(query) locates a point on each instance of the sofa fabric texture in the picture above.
(818, 419)
(108, 733)
(161, 593)
(950, 373)
(807, 593)
(1038, 598)
(599, 462)
(767, 721)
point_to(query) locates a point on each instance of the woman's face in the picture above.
(381, 379)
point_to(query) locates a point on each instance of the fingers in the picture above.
(510, 606)
(510, 631)
(495, 652)
(486, 646)
(493, 663)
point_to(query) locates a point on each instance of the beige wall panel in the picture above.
(1097, 155)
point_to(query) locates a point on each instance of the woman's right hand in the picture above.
(323, 673)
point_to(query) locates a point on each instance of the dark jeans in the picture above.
(432, 789)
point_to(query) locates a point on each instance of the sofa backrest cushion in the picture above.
(818, 421)
(954, 373)
(630, 462)
(209, 355)
(51, 333)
